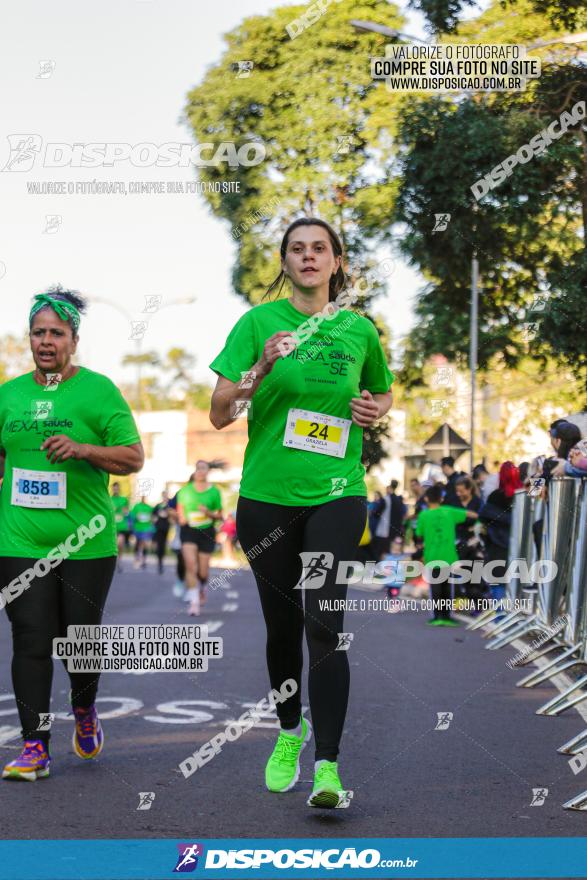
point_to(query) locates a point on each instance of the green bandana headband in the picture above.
(64, 310)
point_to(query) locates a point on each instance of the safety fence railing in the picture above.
(554, 617)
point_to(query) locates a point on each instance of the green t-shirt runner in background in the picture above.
(119, 503)
(88, 408)
(142, 518)
(437, 528)
(190, 499)
(341, 358)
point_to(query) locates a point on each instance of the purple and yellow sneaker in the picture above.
(32, 763)
(88, 737)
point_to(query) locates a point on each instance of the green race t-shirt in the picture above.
(190, 499)
(437, 528)
(119, 503)
(88, 408)
(142, 518)
(335, 363)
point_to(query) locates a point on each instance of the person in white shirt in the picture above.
(487, 482)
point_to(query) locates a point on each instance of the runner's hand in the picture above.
(278, 345)
(60, 447)
(365, 410)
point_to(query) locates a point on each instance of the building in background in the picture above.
(175, 439)
(392, 467)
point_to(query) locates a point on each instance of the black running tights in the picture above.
(273, 536)
(72, 593)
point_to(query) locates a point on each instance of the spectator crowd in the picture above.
(466, 517)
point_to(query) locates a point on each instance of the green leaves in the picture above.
(443, 15)
(523, 230)
(308, 100)
(382, 167)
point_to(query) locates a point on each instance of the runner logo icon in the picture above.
(187, 860)
(444, 719)
(42, 409)
(539, 795)
(441, 222)
(315, 565)
(45, 719)
(52, 380)
(146, 799)
(23, 150)
(338, 484)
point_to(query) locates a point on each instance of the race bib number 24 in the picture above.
(316, 432)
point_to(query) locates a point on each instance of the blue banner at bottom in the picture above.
(231, 858)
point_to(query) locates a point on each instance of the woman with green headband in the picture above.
(63, 430)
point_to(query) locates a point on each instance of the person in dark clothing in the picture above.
(467, 498)
(418, 490)
(179, 586)
(447, 465)
(563, 437)
(161, 522)
(391, 513)
(374, 509)
(397, 513)
(496, 514)
(468, 545)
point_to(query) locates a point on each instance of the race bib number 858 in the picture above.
(39, 488)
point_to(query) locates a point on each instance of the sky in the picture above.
(118, 72)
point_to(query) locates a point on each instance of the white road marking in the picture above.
(8, 733)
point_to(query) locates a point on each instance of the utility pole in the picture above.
(473, 356)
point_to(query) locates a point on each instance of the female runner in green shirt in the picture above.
(310, 376)
(63, 429)
(199, 506)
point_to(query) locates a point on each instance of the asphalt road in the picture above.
(474, 779)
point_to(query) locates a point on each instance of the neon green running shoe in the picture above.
(283, 767)
(328, 788)
(450, 621)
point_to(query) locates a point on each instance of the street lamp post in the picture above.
(473, 348)
(374, 28)
(129, 318)
(138, 339)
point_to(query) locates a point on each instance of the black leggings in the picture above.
(334, 527)
(441, 593)
(72, 593)
(160, 539)
(180, 567)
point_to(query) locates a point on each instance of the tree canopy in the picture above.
(443, 15)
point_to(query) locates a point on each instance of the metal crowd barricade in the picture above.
(559, 544)
(526, 510)
(575, 609)
(560, 608)
(520, 547)
(577, 632)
